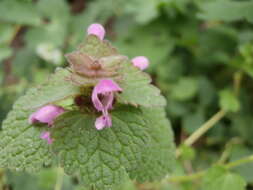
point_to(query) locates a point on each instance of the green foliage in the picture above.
(100, 159)
(54, 90)
(238, 152)
(200, 53)
(187, 153)
(19, 13)
(136, 84)
(233, 11)
(228, 101)
(140, 40)
(184, 89)
(21, 147)
(158, 158)
(218, 178)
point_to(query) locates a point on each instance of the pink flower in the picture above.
(141, 62)
(103, 121)
(103, 94)
(97, 30)
(102, 98)
(46, 114)
(46, 136)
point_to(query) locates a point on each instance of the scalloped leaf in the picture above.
(158, 158)
(21, 148)
(55, 89)
(220, 178)
(137, 89)
(103, 158)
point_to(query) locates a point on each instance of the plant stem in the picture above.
(215, 118)
(203, 129)
(228, 149)
(239, 162)
(179, 179)
(59, 180)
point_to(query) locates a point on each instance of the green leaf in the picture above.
(184, 89)
(58, 9)
(25, 61)
(193, 120)
(5, 52)
(227, 11)
(143, 11)
(19, 13)
(228, 101)
(137, 89)
(55, 89)
(158, 157)
(103, 158)
(219, 178)
(152, 41)
(7, 32)
(187, 152)
(245, 170)
(241, 126)
(20, 145)
(54, 32)
(43, 180)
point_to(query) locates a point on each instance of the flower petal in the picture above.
(102, 94)
(103, 121)
(46, 114)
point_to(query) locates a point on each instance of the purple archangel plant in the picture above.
(100, 119)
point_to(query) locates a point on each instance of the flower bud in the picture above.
(141, 62)
(97, 30)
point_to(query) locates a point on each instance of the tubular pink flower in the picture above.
(103, 121)
(103, 94)
(46, 136)
(141, 62)
(102, 98)
(46, 114)
(97, 30)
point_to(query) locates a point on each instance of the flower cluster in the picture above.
(102, 97)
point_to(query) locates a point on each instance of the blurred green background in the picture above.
(201, 54)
